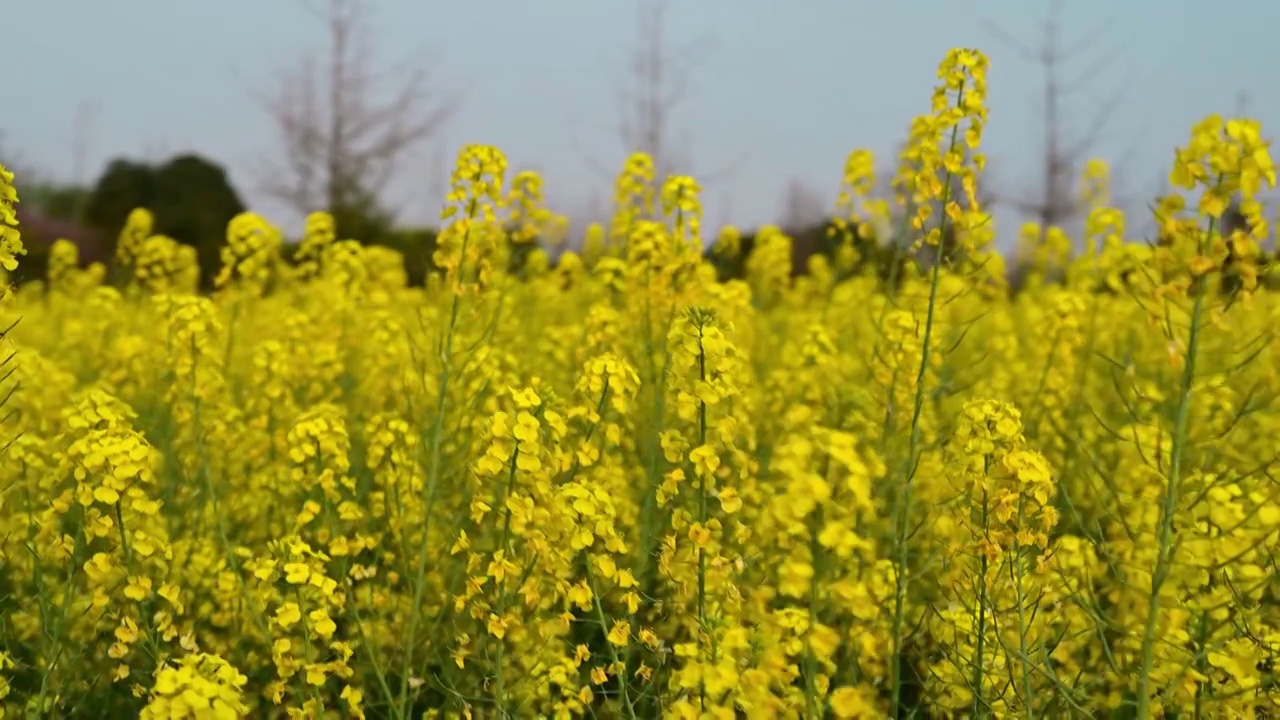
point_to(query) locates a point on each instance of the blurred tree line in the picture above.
(191, 199)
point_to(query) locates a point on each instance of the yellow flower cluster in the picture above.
(136, 230)
(10, 238)
(528, 217)
(252, 244)
(201, 686)
(320, 232)
(630, 484)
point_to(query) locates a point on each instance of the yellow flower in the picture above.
(10, 239)
(580, 595)
(138, 589)
(288, 614)
(730, 501)
(620, 633)
(297, 573)
(850, 703)
(322, 624)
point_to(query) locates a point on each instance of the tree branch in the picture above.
(345, 123)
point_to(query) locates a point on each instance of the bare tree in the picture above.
(85, 118)
(345, 124)
(16, 161)
(158, 148)
(802, 207)
(725, 216)
(1063, 153)
(57, 197)
(655, 90)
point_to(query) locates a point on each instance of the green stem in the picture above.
(1164, 548)
(702, 520)
(1202, 633)
(433, 473)
(815, 581)
(504, 545)
(1025, 660)
(220, 519)
(623, 690)
(979, 665)
(902, 498)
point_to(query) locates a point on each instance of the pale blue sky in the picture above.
(790, 87)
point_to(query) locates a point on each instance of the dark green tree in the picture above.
(123, 186)
(417, 245)
(809, 241)
(190, 196)
(358, 216)
(193, 203)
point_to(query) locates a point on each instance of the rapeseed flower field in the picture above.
(619, 486)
